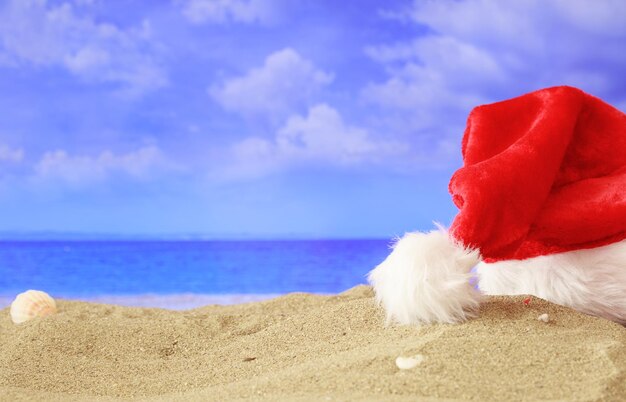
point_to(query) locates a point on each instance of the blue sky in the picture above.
(269, 118)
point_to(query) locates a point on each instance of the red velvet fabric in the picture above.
(543, 173)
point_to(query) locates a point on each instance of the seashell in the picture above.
(406, 363)
(544, 318)
(31, 304)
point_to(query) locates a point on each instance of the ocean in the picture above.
(184, 274)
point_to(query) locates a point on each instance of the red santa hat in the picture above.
(543, 173)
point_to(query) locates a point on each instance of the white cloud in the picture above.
(47, 34)
(221, 11)
(86, 59)
(321, 137)
(285, 81)
(431, 81)
(601, 17)
(482, 51)
(522, 23)
(13, 155)
(323, 134)
(141, 164)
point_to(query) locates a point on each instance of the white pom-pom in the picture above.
(425, 279)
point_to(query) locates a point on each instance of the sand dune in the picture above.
(303, 347)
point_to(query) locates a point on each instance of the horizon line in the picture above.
(8, 236)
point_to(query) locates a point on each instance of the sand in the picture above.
(304, 347)
(181, 301)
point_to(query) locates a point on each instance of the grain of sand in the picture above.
(303, 347)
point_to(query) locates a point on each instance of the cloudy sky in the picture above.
(269, 118)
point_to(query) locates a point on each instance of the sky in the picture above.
(269, 118)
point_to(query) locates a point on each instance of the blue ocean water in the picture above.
(79, 269)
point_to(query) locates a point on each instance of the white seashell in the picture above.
(544, 318)
(31, 304)
(406, 363)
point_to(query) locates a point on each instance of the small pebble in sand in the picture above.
(406, 363)
(544, 318)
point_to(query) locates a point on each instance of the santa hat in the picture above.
(543, 173)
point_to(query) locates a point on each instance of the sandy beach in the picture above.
(303, 347)
(180, 301)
